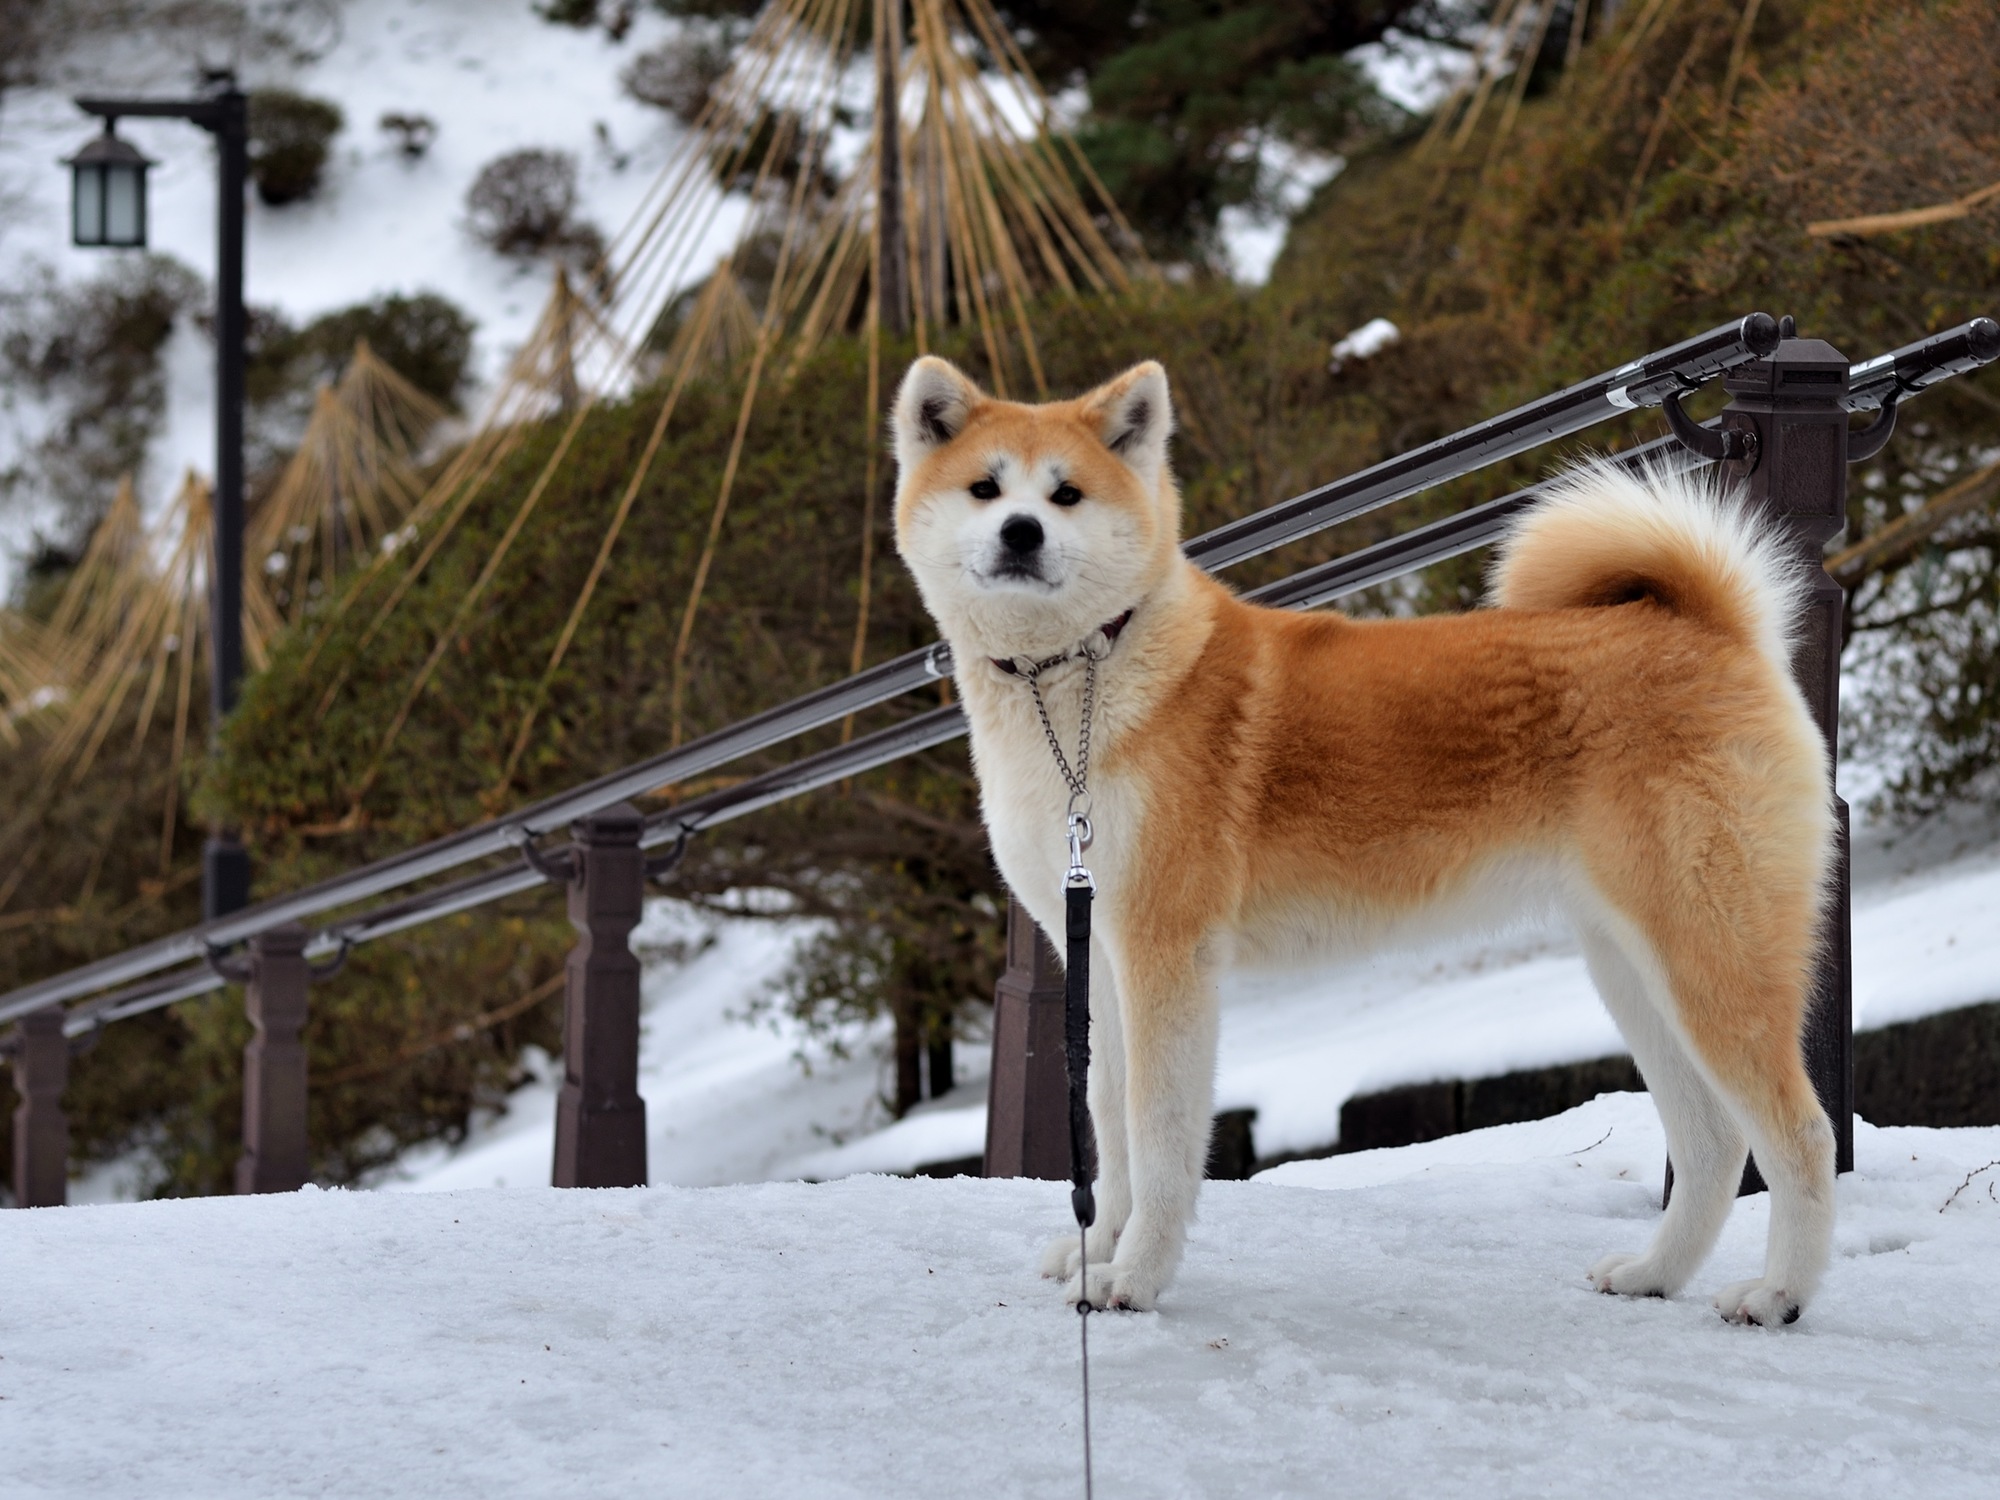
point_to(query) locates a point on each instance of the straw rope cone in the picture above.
(993, 218)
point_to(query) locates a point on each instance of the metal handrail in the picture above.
(1641, 382)
(1393, 558)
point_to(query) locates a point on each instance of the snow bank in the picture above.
(726, 1101)
(1927, 941)
(1425, 1329)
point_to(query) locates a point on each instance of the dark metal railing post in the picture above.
(1797, 476)
(41, 1129)
(600, 1118)
(274, 1064)
(1027, 1102)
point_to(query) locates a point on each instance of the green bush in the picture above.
(1552, 257)
(521, 203)
(290, 135)
(1185, 94)
(90, 354)
(425, 338)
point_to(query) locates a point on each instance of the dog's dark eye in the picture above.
(1066, 494)
(985, 489)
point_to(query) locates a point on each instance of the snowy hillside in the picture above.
(494, 77)
(1388, 1323)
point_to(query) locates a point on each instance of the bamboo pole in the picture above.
(766, 335)
(892, 260)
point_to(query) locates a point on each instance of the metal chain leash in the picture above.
(1077, 779)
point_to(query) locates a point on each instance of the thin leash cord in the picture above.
(1083, 1326)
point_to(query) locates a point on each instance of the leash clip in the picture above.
(1079, 840)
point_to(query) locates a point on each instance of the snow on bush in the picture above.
(1370, 339)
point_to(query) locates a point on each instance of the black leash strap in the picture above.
(1077, 892)
(1076, 1048)
(1078, 889)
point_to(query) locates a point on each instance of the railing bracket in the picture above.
(1717, 444)
(234, 967)
(660, 867)
(1865, 442)
(332, 966)
(85, 1042)
(559, 866)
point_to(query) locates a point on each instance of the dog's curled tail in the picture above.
(1604, 534)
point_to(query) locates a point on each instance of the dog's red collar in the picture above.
(1013, 667)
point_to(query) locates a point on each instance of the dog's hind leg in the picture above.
(1703, 1139)
(1716, 860)
(1169, 1008)
(1734, 956)
(1107, 1122)
(1751, 1050)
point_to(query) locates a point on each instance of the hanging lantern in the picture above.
(109, 203)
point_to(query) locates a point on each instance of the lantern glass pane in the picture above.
(89, 205)
(124, 205)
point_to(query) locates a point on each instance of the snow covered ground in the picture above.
(1409, 1322)
(728, 1102)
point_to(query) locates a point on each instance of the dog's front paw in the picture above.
(1757, 1302)
(1116, 1287)
(1627, 1275)
(1059, 1258)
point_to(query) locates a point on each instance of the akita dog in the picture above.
(1620, 736)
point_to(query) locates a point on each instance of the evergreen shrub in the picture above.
(290, 137)
(521, 203)
(678, 76)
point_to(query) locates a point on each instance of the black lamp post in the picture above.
(110, 210)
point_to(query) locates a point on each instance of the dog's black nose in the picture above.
(1021, 535)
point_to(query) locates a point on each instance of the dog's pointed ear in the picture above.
(931, 409)
(1134, 414)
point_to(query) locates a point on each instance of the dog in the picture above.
(1620, 735)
